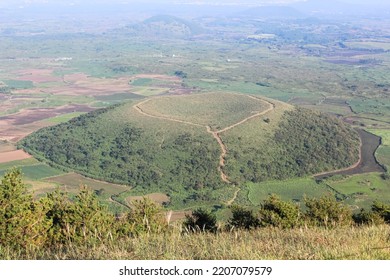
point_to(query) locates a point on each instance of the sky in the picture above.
(253, 2)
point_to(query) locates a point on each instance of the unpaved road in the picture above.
(215, 134)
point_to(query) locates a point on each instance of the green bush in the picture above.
(367, 218)
(145, 216)
(242, 219)
(382, 209)
(89, 219)
(58, 209)
(278, 213)
(201, 220)
(22, 220)
(328, 212)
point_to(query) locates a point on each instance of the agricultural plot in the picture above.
(382, 154)
(291, 190)
(159, 198)
(5, 146)
(72, 182)
(13, 156)
(18, 163)
(31, 169)
(362, 189)
(369, 45)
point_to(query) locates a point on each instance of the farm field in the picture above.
(383, 152)
(290, 190)
(361, 189)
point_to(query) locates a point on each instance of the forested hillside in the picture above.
(152, 150)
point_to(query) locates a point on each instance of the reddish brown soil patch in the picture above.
(38, 76)
(72, 78)
(156, 197)
(179, 215)
(158, 77)
(6, 147)
(80, 84)
(14, 155)
(28, 116)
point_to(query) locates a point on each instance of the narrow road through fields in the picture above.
(215, 134)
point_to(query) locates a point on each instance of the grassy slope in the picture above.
(220, 110)
(357, 243)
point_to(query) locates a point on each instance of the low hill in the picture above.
(166, 26)
(191, 147)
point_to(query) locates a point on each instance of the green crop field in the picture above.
(18, 84)
(63, 118)
(362, 189)
(383, 152)
(18, 163)
(72, 183)
(31, 169)
(291, 190)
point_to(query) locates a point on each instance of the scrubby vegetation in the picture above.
(56, 226)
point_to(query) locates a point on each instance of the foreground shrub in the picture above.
(382, 209)
(278, 213)
(145, 216)
(328, 212)
(22, 220)
(200, 220)
(367, 218)
(242, 219)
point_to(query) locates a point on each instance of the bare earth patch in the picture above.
(38, 76)
(159, 198)
(13, 155)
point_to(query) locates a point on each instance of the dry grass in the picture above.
(357, 243)
(216, 109)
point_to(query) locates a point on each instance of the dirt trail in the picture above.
(222, 155)
(230, 202)
(270, 108)
(215, 134)
(136, 107)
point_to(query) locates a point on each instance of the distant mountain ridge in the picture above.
(166, 26)
(273, 12)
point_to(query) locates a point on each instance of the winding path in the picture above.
(230, 202)
(215, 134)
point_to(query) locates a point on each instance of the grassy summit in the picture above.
(192, 146)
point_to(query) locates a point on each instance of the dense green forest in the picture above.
(305, 142)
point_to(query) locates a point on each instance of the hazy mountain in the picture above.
(273, 12)
(340, 8)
